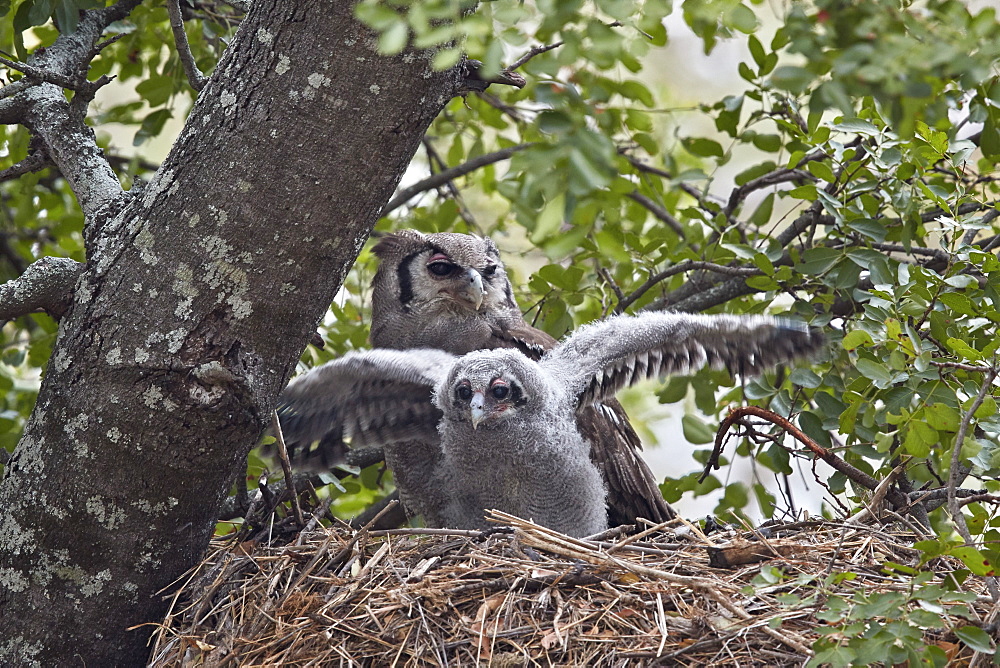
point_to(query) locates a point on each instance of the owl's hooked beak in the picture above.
(473, 291)
(477, 408)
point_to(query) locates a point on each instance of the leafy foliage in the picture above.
(865, 144)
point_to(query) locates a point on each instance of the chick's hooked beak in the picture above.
(473, 291)
(477, 408)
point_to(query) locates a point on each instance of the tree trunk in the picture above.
(197, 300)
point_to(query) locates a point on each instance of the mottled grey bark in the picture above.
(200, 293)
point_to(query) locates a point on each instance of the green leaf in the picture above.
(942, 417)
(874, 371)
(38, 11)
(696, 431)
(703, 147)
(446, 59)
(792, 78)
(393, 40)
(67, 15)
(156, 90)
(963, 349)
(857, 126)
(977, 639)
(756, 50)
(919, 439)
(637, 91)
(550, 217)
(804, 377)
(555, 122)
(818, 260)
(821, 171)
(752, 173)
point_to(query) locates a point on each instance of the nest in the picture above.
(529, 596)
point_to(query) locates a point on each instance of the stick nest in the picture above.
(530, 596)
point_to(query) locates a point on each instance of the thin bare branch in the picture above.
(194, 75)
(12, 89)
(700, 197)
(532, 52)
(45, 285)
(854, 474)
(286, 466)
(447, 175)
(41, 74)
(954, 507)
(33, 163)
(964, 367)
(658, 211)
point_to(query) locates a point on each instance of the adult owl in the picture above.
(508, 426)
(451, 292)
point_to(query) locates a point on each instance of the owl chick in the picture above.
(508, 427)
(451, 292)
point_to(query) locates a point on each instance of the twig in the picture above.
(42, 74)
(854, 474)
(233, 507)
(658, 211)
(609, 279)
(532, 52)
(194, 75)
(12, 89)
(954, 507)
(960, 365)
(286, 466)
(33, 163)
(656, 171)
(447, 175)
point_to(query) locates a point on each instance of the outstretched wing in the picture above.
(372, 397)
(602, 358)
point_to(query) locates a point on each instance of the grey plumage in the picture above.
(451, 292)
(508, 426)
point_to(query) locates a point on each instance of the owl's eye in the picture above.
(490, 270)
(500, 391)
(441, 268)
(464, 392)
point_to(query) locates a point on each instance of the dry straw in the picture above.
(528, 596)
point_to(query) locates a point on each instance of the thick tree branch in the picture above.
(69, 142)
(47, 285)
(194, 75)
(703, 298)
(447, 175)
(776, 177)
(687, 265)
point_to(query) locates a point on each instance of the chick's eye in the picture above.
(490, 270)
(441, 268)
(464, 392)
(500, 391)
